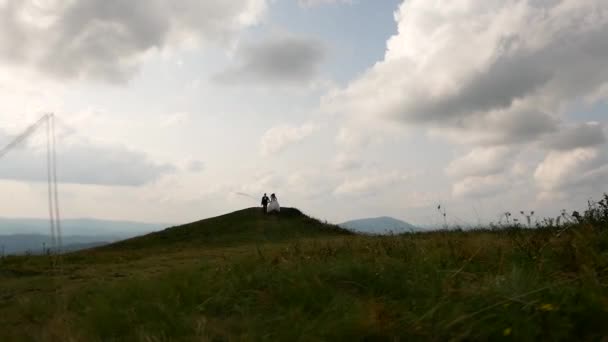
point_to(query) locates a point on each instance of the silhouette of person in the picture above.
(265, 201)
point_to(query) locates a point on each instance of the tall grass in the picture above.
(517, 283)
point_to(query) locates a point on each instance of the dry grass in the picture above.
(543, 284)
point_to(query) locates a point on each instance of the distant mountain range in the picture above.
(33, 235)
(79, 227)
(380, 225)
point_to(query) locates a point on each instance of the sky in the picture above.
(178, 110)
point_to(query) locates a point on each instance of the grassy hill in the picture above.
(237, 228)
(247, 276)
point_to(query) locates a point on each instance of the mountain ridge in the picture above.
(78, 227)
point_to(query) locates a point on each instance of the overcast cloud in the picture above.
(108, 39)
(490, 73)
(83, 162)
(409, 104)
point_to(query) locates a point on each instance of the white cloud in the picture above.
(503, 174)
(346, 162)
(498, 76)
(83, 162)
(310, 184)
(482, 161)
(176, 119)
(585, 168)
(194, 166)
(277, 138)
(109, 39)
(462, 64)
(371, 184)
(576, 136)
(480, 186)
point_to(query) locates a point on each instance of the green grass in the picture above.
(246, 276)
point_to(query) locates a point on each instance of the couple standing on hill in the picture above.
(270, 205)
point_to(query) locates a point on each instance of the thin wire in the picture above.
(49, 181)
(56, 189)
(53, 188)
(20, 138)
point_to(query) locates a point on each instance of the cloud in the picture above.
(576, 136)
(515, 127)
(83, 162)
(497, 76)
(585, 168)
(285, 59)
(108, 39)
(504, 174)
(463, 65)
(195, 166)
(277, 138)
(482, 161)
(346, 162)
(176, 119)
(371, 184)
(480, 186)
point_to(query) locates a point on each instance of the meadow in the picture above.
(247, 276)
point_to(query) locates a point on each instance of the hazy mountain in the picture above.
(33, 235)
(38, 244)
(379, 225)
(78, 227)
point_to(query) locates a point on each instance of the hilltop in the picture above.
(240, 227)
(248, 276)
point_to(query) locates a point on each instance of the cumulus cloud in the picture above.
(512, 127)
(584, 168)
(279, 137)
(176, 119)
(83, 162)
(577, 161)
(482, 161)
(195, 166)
(371, 184)
(576, 136)
(284, 59)
(513, 64)
(346, 162)
(108, 39)
(480, 186)
(485, 182)
(497, 76)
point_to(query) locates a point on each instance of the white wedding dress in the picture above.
(274, 206)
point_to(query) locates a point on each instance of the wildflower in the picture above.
(506, 332)
(547, 307)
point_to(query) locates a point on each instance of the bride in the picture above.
(274, 204)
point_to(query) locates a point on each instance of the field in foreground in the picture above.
(245, 276)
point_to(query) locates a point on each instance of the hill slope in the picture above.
(240, 227)
(213, 280)
(379, 225)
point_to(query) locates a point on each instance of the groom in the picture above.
(265, 203)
